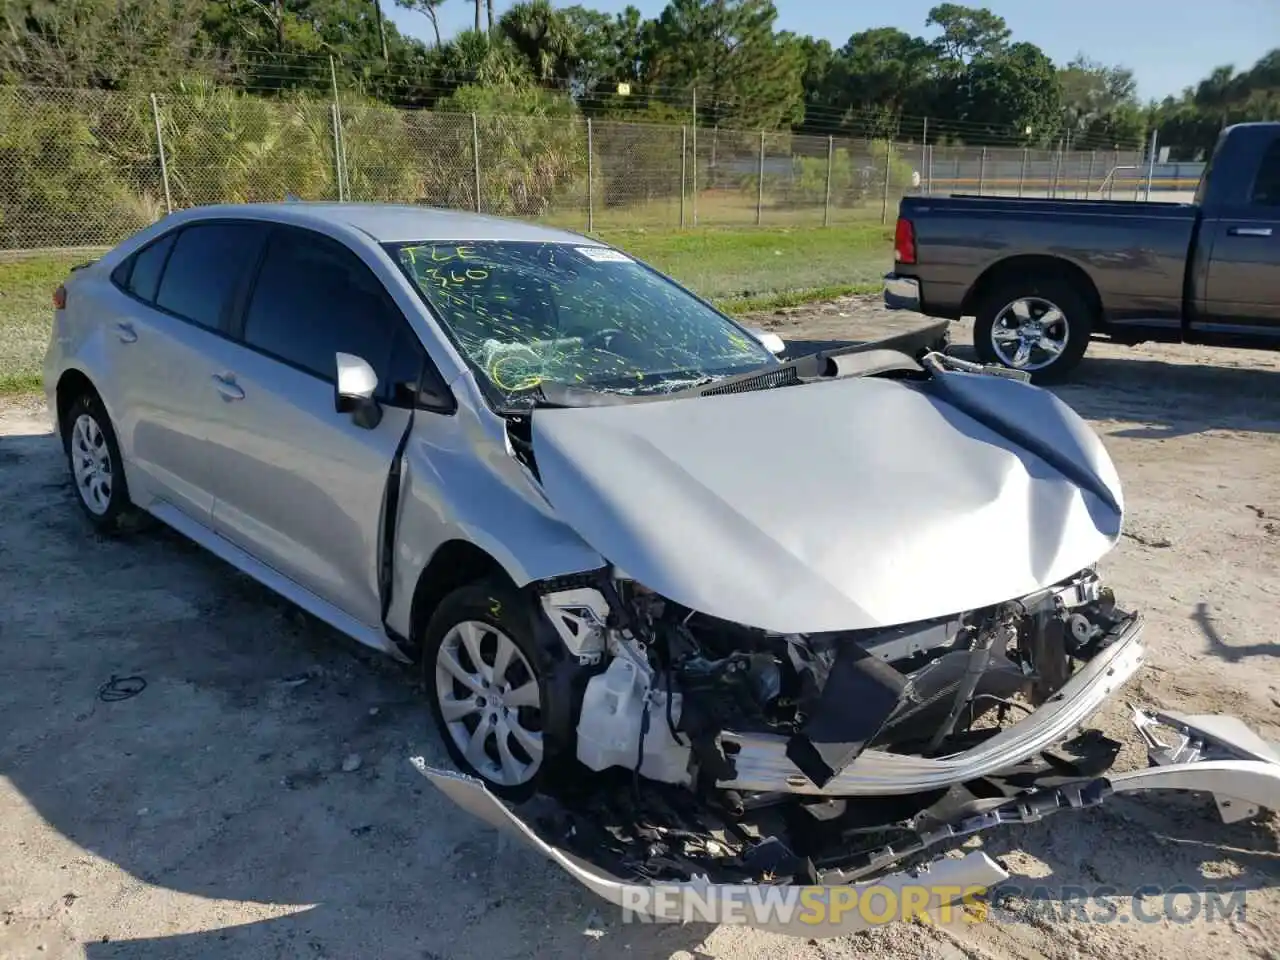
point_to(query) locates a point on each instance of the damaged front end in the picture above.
(771, 683)
(723, 754)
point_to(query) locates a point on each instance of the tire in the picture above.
(97, 469)
(1041, 294)
(483, 617)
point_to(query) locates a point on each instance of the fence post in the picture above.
(926, 158)
(591, 211)
(337, 151)
(164, 166)
(1022, 173)
(982, 171)
(884, 198)
(760, 181)
(928, 169)
(693, 193)
(1088, 180)
(684, 162)
(475, 156)
(826, 200)
(1151, 161)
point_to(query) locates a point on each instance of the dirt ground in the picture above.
(217, 814)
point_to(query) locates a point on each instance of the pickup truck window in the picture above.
(1266, 189)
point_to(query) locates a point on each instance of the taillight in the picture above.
(59, 297)
(904, 241)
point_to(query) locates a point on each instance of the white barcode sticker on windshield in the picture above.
(603, 255)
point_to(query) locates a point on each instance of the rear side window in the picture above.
(140, 274)
(144, 278)
(205, 269)
(314, 298)
(1266, 189)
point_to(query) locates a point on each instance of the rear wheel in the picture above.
(488, 683)
(1040, 324)
(97, 470)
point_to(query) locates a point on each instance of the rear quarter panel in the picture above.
(77, 339)
(1135, 255)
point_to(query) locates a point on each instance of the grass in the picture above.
(742, 269)
(26, 291)
(756, 262)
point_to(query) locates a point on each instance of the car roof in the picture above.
(390, 222)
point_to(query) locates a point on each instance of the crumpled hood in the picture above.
(837, 505)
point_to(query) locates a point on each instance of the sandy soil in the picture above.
(213, 815)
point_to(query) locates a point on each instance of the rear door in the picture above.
(300, 486)
(179, 295)
(1243, 284)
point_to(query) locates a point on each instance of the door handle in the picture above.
(1249, 231)
(125, 331)
(228, 387)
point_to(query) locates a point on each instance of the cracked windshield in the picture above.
(526, 313)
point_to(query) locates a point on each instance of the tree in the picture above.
(1190, 124)
(545, 36)
(1013, 91)
(428, 8)
(1100, 103)
(610, 50)
(102, 43)
(880, 74)
(744, 73)
(968, 33)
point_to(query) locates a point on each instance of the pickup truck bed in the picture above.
(1041, 277)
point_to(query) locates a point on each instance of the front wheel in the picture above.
(1038, 324)
(490, 687)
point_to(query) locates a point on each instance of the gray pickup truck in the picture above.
(1042, 277)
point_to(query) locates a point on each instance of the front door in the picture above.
(301, 486)
(1243, 285)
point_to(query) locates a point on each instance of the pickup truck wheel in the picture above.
(492, 689)
(1040, 325)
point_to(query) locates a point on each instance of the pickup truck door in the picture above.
(1242, 287)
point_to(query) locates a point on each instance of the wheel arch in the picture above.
(1036, 264)
(73, 383)
(454, 564)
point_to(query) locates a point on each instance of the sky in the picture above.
(1169, 44)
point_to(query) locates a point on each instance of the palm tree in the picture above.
(428, 9)
(543, 35)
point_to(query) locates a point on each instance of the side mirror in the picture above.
(771, 341)
(354, 389)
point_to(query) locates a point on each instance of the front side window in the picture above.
(1266, 189)
(314, 298)
(523, 313)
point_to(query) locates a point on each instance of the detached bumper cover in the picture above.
(928, 888)
(940, 883)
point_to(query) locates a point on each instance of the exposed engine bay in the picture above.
(735, 752)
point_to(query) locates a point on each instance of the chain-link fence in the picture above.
(82, 168)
